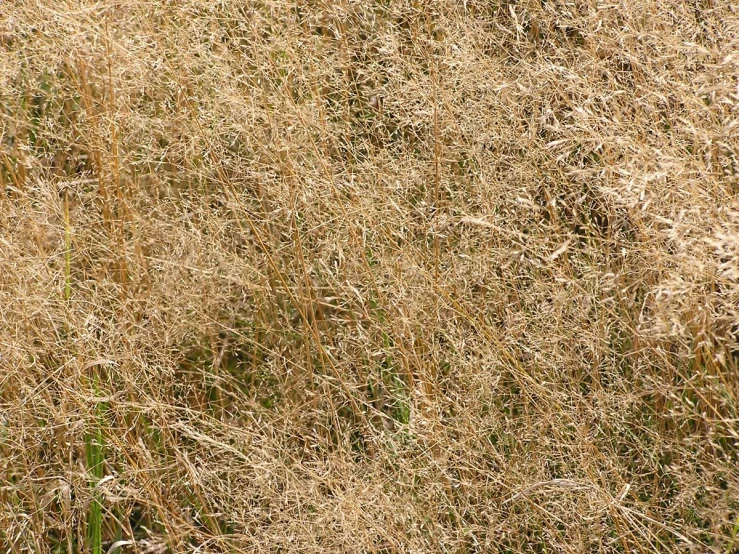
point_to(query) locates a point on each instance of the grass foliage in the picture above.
(376, 277)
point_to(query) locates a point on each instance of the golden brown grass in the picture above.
(377, 277)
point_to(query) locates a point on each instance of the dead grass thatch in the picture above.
(372, 277)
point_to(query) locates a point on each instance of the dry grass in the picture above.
(378, 277)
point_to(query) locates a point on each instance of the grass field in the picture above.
(400, 276)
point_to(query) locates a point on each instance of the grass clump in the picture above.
(370, 277)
